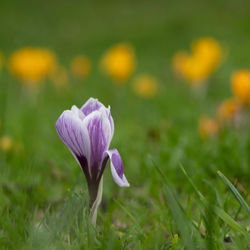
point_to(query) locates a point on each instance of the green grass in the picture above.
(43, 194)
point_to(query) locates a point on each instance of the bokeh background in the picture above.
(157, 122)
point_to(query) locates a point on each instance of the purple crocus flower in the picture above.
(87, 132)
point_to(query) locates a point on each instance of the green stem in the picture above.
(95, 202)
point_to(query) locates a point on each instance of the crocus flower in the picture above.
(87, 132)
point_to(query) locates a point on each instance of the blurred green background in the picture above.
(40, 180)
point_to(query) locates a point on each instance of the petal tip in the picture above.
(125, 182)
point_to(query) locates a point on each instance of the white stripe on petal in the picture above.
(110, 120)
(77, 112)
(116, 166)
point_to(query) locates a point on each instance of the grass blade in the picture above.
(217, 210)
(182, 222)
(228, 219)
(235, 193)
(192, 184)
(136, 223)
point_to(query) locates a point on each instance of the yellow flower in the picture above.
(80, 66)
(240, 82)
(208, 127)
(145, 86)
(119, 62)
(31, 65)
(228, 109)
(59, 76)
(209, 50)
(195, 70)
(200, 64)
(6, 143)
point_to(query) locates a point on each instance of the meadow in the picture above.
(177, 199)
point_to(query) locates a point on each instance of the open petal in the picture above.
(74, 135)
(100, 134)
(116, 165)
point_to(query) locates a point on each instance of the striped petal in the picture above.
(116, 165)
(94, 105)
(100, 134)
(91, 105)
(74, 135)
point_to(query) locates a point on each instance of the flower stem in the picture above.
(95, 201)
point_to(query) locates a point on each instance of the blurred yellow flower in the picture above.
(119, 62)
(200, 64)
(31, 65)
(145, 86)
(59, 76)
(208, 127)
(228, 109)
(195, 70)
(5, 143)
(209, 50)
(240, 83)
(80, 66)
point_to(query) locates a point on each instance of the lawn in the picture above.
(176, 198)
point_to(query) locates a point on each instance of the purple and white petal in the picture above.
(94, 105)
(100, 134)
(91, 105)
(110, 120)
(116, 165)
(74, 134)
(77, 112)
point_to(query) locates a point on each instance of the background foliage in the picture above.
(42, 190)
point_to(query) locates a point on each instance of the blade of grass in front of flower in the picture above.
(217, 210)
(181, 219)
(235, 192)
(200, 195)
(43, 219)
(183, 223)
(136, 224)
(228, 219)
(218, 198)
